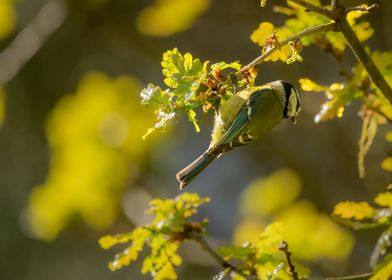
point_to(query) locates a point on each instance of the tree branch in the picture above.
(364, 276)
(332, 26)
(364, 58)
(339, 15)
(206, 247)
(31, 39)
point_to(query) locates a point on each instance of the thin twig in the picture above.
(339, 15)
(284, 247)
(353, 277)
(206, 247)
(332, 26)
(334, 4)
(370, 9)
(313, 8)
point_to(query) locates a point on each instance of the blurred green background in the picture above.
(73, 166)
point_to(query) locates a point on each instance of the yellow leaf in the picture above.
(362, 29)
(264, 30)
(110, 240)
(384, 273)
(167, 272)
(384, 199)
(309, 85)
(283, 10)
(124, 258)
(387, 164)
(270, 238)
(339, 95)
(388, 136)
(355, 210)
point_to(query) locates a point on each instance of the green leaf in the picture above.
(299, 20)
(192, 118)
(139, 237)
(223, 65)
(163, 236)
(270, 238)
(155, 97)
(163, 117)
(236, 252)
(183, 73)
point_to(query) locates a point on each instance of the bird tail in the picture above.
(186, 175)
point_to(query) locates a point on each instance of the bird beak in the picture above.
(293, 120)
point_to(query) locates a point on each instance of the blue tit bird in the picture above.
(245, 116)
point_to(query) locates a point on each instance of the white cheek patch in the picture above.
(292, 106)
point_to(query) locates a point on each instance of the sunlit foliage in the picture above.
(190, 85)
(96, 146)
(275, 197)
(7, 18)
(299, 20)
(361, 215)
(194, 84)
(166, 17)
(376, 109)
(163, 236)
(263, 257)
(171, 227)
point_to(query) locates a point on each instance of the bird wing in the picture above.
(237, 127)
(241, 122)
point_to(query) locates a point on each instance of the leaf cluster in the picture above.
(362, 215)
(170, 227)
(263, 258)
(375, 110)
(191, 84)
(267, 35)
(163, 236)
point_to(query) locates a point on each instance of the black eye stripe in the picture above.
(287, 89)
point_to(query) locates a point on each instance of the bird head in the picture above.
(291, 99)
